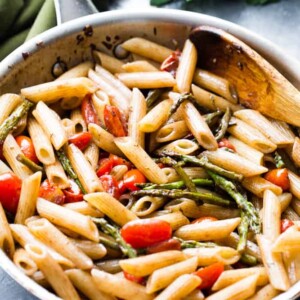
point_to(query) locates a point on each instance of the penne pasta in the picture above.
(287, 241)
(56, 174)
(4, 168)
(172, 131)
(8, 103)
(100, 99)
(180, 146)
(294, 184)
(24, 262)
(84, 208)
(175, 219)
(146, 205)
(92, 154)
(108, 62)
(138, 66)
(80, 70)
(266, 293)
(6, 238)
(78, 120)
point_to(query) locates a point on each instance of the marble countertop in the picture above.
(278, 22)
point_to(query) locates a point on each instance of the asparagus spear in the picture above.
(246, 206)
(243, 232)
(174, 185)
(223, 125)
(278, 160)
(8, 125)
(203, 162)
(194, 244)
(174, 194)
(180, 100)
(114, 232)
(248, 259)
(210, 118)
(29, 163)
(66, 164)
(108, 243)
(179, 170)
(153, 95)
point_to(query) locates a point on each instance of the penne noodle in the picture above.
(146, 205)
(10, 151)
(186, 68)
(111, 284)
(161, 278)
(56, 174)
(104, 140)
(41, 142)
(175, 219)
(180, 287)
(118, 171)
(138, 110)
(108, 62)
(195, 295)
(273, 264)
(80, 70)
(92, 154)
(208, 231)
(137, 155)
(111, 266)
(216, 211)
(83, 281)
(45, 116)
(8, 103)
(145, 265)
(266, 293)
(215, 84)
(159, 113)
(180, 146)
(239, 290)
(234, 162)
(208, 256)
(285, 200)
(294, 184)
(110, 207)
(290, 214)
(28, 197)
(246, 151)
(198, 126)
(84, 208)
(294, 151)
(6, 238)
(78, 120)
(258, 121)
(292, 264)
(251, 136)
(283, 127)
(172, 131)
(53, 272)
(52, 91)
(100, 99)
(147, 80)
(287, 241)
(70, 103)
(4, 168)
(39, 278)
(212, 101)
(147, 48)
(24, 262)
(86, 174)
(138, 66)
(68, 219)
(52, 237)
(229, 277)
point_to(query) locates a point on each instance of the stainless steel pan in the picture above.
(72, 43)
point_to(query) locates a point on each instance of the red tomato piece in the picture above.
(133, 278)
(10, 187)
(170, 64)
(26, 145)
(209, 275)
(145, 233)
(73, 193)
(132, 177)
(205, 220)
(51, 192)
(110, 185)
(113, 121)
(88, 111)
(81, 140)
(105, 166)
(279, 177)
(224, 143)
(171, 244)
(285, 224)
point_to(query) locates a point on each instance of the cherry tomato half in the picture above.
(209, 275)
(224, 143)
(72, 193)
(10, 187)
(51, 192)
(26, 145)
(145, 233)
(114, 121)
(132, 177)
(133, 278)
(88, 111)
(170, 64)
(205, 220)
(106, 164)
(81, 140)
(279, 177)
(171, 244)
(110, 185)
(285, 224)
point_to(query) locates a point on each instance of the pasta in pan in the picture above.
(149, 182)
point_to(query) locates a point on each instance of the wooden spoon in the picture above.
(260, 86)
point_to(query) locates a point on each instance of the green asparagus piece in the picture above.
(29, 163)
(243, 232)
(174, 185)
(179, 170)
(180, 100)
(66, 164)
(174, 194)
(114, 232)
(246, 206)
(194, 244)
(108, 243)
(221, 131)
(248, 259)
(152, 96)
(203, 162)
(211, 117)
(278, 160)
(8, 125)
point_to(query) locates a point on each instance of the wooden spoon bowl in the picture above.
(259, 85)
